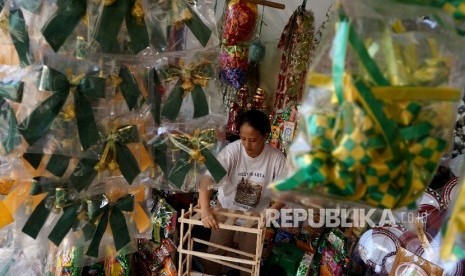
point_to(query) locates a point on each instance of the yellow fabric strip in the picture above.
(140, 216)
(5, 215)
(320, 80)
(399, 93)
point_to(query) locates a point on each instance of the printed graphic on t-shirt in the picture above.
(248, 194)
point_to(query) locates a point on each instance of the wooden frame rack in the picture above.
(252, 223)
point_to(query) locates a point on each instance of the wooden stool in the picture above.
(253, 223)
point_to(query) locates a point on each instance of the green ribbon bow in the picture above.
(19, 36)
(110, 212)
(110, 22)
(182, 13)
(56, 197)
(63, 22)
(129, 88)
(83, 88)
(191, 79)
(8, 124)
(195, 148)
(117, 155)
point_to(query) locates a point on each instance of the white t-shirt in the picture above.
(244, 187)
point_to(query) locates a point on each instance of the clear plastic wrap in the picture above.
(452, 232)
(65, 26)
(182, 152)
(240, 19)
(120, 28)
(117, 217)
(63, 107)
(191, 88)
(14, 34)
(179, 25)
(380, 107)
(122, 151)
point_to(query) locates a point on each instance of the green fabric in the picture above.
(196, 25)
(40, 120)
(213, 165)
(173, 104)
(83, 174)
(37, 219)
(129, 88)
(63, 22)
(64, 224)
(340, 49)
(415, 132)
(20, 36)
(159, 152)
(127, 163)
(33, 158)
(112, 213)
(200, 102)
(8, 123)
(184, 162)
(388, 127)
(110, 23)
(58, 164)
(180, 169)
(138, 34)
(38, 123)
(154, 98)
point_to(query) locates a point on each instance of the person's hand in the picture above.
(208, 218)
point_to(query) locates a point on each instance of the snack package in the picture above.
(240, 18)
(407, 263)
(180, 25)
(379, 110)
(164, 219)
(304, 266)
(182, 153)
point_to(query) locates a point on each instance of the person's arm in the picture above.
(207, 216)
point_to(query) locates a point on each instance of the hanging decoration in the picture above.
(296, 43)
(191, 79)
(239, 26)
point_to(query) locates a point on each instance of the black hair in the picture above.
(256, 119)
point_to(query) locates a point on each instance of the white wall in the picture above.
(276, 19)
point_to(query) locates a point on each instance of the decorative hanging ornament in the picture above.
(257, 49)
(296, 43)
